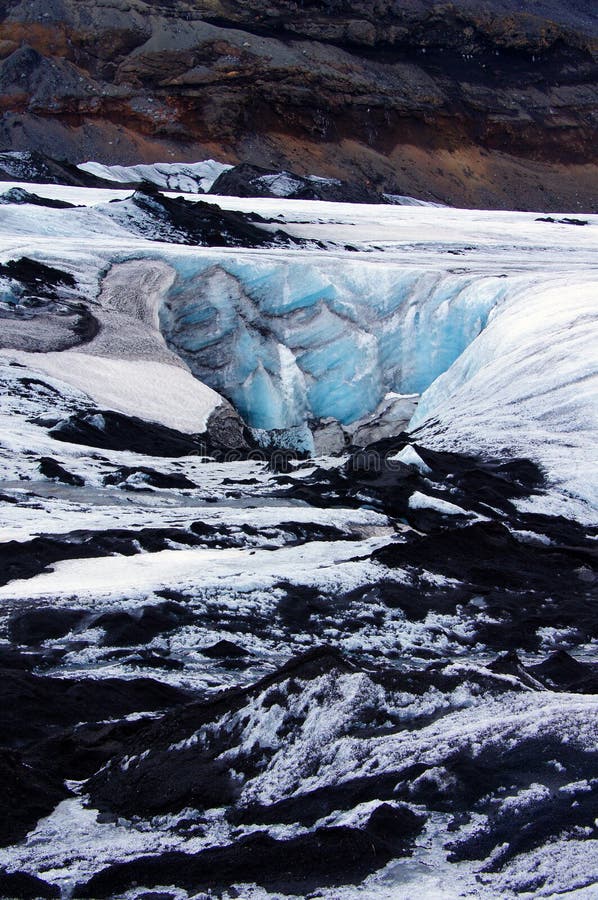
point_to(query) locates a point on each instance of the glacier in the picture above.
(528, 385)
(216, 665)
(379, 301)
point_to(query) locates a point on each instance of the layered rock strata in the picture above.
(475, 104)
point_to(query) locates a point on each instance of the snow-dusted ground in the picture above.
(507, 235)
(493, 318)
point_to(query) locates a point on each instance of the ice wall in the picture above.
(528, 386)
(290, 341)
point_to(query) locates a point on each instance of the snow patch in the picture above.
(418, 500)
(187, 177)
(149, 390)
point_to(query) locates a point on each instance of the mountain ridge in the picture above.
(477, 105)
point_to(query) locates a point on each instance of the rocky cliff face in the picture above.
(476, 103)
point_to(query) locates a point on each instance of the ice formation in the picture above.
(529, 385)
(189, 177)
(378, 300)
(288, 342)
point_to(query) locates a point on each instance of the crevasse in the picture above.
(288, 342)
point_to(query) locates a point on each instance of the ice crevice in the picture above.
(500, 363)
(291, 344)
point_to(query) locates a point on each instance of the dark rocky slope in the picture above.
(287, 733)
(480, 103)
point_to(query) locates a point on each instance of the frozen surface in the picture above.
(528, 386)
(316, 334)
(422, 501)
(152, 390)
(332, 564)
(188, 177)
(319, 339)
(404, 200)
(491, 317)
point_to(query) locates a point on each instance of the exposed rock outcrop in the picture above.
(254, 181)
(480, 103)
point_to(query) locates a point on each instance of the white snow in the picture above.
(500, 305)
(528, 386)
(333, 564)
(149, 390)
(281, 184)
(405, 200)
(475, 725)
(410, 457)
(417, 500)
(70, 841)
(195, 177)
(565, 867)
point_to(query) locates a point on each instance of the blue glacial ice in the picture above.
(287, 342)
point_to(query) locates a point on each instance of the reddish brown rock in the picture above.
(478, 103)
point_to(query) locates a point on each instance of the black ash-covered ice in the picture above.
(229, 669)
